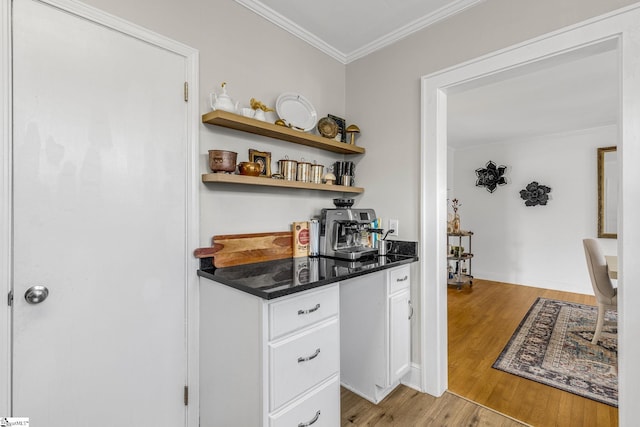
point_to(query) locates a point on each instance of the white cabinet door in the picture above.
(100, 219)
(399, 335)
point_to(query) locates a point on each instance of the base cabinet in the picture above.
(269, 363)
(375, 332)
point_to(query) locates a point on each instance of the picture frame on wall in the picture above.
(342, 126)
(263, 158)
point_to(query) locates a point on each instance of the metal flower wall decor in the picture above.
(535, 194)
(491, 176)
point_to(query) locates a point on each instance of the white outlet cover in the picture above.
(394, 224)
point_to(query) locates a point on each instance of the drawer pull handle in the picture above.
(403, 279)
(306, 359)
(313, 420)
(311, 310)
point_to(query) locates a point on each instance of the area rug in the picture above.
(553, 346)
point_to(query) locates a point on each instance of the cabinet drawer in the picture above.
(298, 363)
(300, 311)
(399, 278)
(321, 408)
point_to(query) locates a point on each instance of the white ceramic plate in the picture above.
(296, 111)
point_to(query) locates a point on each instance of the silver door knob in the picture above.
(36, 294)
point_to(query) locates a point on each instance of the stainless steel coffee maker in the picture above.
(344, 231)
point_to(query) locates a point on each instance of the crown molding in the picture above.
(417, 25)
(286, 24)
(293, 28)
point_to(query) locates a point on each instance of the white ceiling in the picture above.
(566, 94)
(348, 30)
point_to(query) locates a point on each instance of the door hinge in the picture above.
(186, 395)
(10, 299)
(186, 92)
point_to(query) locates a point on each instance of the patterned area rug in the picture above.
(553, 346)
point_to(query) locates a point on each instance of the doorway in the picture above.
(620, 26)
(545, 124)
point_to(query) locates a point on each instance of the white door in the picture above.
(99, 188)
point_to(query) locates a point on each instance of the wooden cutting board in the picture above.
(238, 249)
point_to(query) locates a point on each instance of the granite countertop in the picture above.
(273, 279)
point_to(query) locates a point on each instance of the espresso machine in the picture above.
(344, 231)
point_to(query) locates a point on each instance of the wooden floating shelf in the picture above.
(270, 182)
(258, 127)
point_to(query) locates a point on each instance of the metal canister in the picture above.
(288, 168)
(316, 173)
(304, 171)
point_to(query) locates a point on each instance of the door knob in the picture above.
(36, 294)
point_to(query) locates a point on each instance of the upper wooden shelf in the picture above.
(258, 127)
(270, 182)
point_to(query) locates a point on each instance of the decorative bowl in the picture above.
(327, 127)
(249, 168)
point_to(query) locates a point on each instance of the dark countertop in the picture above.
(273, 279)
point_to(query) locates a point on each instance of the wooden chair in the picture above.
(606, 294)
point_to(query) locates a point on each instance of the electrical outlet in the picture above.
(394, 224)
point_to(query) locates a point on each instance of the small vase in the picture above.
(456, 223)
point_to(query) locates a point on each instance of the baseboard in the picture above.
(354, 391)
(412, 378)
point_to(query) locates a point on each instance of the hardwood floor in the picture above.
(481, 321)
(405, 407)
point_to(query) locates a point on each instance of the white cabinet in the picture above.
(375, 332)
(269, 363)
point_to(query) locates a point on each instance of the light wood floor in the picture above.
(481, 321)
(405, 407)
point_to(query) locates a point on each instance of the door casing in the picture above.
(622, 26)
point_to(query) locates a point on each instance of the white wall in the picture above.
(257, 60)
(541, 245)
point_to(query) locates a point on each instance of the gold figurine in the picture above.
(255, 104)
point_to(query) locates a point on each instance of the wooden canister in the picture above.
(300, 239)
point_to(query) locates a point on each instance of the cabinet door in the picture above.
(400, 335)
